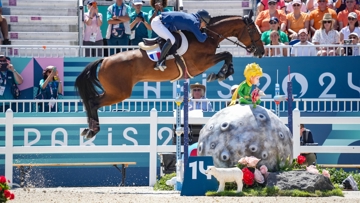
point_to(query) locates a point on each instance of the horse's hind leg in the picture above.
(93, 120)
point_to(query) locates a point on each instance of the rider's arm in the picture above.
(201, 37)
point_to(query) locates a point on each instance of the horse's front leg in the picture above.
(226, 70)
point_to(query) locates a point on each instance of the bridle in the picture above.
(250, 27)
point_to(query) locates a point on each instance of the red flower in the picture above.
(248, 176)
(301, 159)
(12, 196)
(7, 194)
(2, 179)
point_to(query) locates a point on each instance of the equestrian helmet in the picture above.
(204, 15)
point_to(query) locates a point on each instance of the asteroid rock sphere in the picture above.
(241, 130)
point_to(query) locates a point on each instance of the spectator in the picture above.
(92, 32)
(299, 50)
(197, 91)
(307, 137)
(9, 79)
(317, 15)
(274, 25)
(118, 30)
(352, 26)
(289, 7)
(139, 23)
(4, 28)
(353, 50)
(263, 5)
(263, 19)
(296, 20)
(159, 6)
(340, 5)
(326, 35)
(314, 4)
(343, 16)
(49, 88)
(275, 40)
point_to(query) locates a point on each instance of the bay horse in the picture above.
(119, 73)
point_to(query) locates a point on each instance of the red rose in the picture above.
(7, 194)
(12, 196)
(248, 176)
(301, 159)
(2, 179)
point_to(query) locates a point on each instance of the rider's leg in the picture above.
(164, 33)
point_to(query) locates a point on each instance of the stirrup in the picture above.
(161, 66)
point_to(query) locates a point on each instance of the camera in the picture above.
(3, 63)
(141, 15)
(347, 41)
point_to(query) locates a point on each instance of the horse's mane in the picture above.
(216, 19)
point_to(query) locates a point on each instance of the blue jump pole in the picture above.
(289, 93)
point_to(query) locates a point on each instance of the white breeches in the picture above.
(161, 30)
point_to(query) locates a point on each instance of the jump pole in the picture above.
(179, 130)
(290, 99)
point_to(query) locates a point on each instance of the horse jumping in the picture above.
(119, 73)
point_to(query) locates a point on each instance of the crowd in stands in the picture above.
(320, 22)
(309, 22)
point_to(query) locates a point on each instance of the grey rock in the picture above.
(301, 180)
(241, 130)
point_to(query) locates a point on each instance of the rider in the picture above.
(169, 22)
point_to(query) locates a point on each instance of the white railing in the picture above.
(168, 105)
(100, 51)
(153, 148)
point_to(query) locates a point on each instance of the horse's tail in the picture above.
(85, 85)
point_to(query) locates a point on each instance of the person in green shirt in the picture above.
(139, 24)
(274, 25)
(252, 74)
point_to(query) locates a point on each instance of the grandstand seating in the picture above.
(42, 22)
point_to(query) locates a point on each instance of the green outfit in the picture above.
(265, 37)
(244, 92)
(141, 30)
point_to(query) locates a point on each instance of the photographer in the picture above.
(159, 7)
(351, 50)
(9, 79)
(305, 138)
(139, 25)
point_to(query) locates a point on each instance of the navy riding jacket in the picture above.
(175, 21)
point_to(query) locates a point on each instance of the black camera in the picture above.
(3, 63)
(141, 15)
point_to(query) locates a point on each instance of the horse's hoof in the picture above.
(156, 68)
(84, 132)
(211, 77)
(90, 134)
(220, 77)
(230, 71)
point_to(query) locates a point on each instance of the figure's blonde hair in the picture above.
(252, 70)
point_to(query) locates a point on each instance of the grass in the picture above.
(274, 191)
(161, 184)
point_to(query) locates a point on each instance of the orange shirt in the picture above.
(343, 16)
(262, 20)
(318, 15)
(297, 24)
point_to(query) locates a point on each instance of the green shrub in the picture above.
(161, 184)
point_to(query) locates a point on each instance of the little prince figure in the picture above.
(252, 74)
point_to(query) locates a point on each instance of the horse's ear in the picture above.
(251, 13)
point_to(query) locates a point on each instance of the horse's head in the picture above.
(243, 28)
(251, 38)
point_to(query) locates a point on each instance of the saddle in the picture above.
(153, 46)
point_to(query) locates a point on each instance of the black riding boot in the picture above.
(164, 51)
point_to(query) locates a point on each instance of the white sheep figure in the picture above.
(224, 175)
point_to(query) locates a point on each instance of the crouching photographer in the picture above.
(9, 81)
